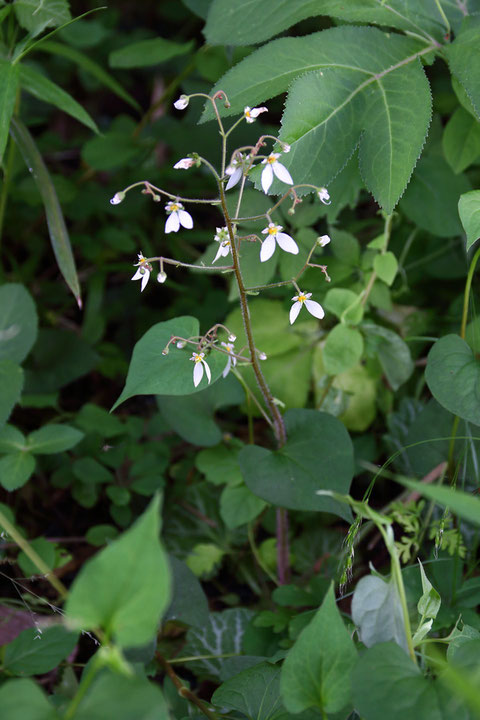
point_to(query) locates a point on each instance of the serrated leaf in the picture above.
(147, 52)
(8, 95)
(151, 373)
(461, 140)
(53, 438)
(386, 266)
(11, 382)
(463, 57)
(469, 211)
(55, 220)
(44, 89)
(35, 16)
(463, 504)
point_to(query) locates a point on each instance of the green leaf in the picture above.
(52, 439)
(90, 66)
(8, 95)
(56, 223)
(460, 503)
(270, 327)
(219, 465)
(317, 669)
(15, 469)
(453, 376)
(255, 692)
(147, 52)
(469, 211)
(94, 419)
(463, 57)
(35, 17)
(432, 196)
(345, 304)
(21, 699)
(126, 587)
(461, 140)
(151, 373)
(238, 506)
(429, 604)
(342, 350)
(392, 351)
(221, 635)
(11, 382)
(386, 266)
(361, 390)
(318, 455)
(204, 559)
(44, 89)
(188, 604)
(11, 439)
(193, 416)
(377, 612)
(124, 698)
(58, 358)
(18, 322)
(35, 652)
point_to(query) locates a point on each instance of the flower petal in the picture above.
(282, 173)
(197, 373)
(227, 367)
(287, 243)
(315, 309)
(185, 219)
(207, 371)
(294, 310)
(138, 275)
(173, 223)
(145, 279)
(267, 177)
(219, 254)
(267, 249)
(234, 178)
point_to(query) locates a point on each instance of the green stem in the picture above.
(466, 295)
(387, 232)
(7, 178)
(444, 17)
(85, 683)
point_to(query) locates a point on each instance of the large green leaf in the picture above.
(44, 89)
(147, 52)
(21, 699)
(469, 211)
(126, 587)
(56, 223)
(53, 438)
(461, 140)
(317, 670)
(151, 373)
(463, 56)
(255, 692)
(318, 455)
(34, 653)
(123, 698)
(453, 376)
(8, 94)
(377, 612)
(370, 90)
(35, 16)
(18, 322)
(11, 382)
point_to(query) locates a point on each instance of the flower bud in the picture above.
(182, 102)
(162, 276)
(262, 356)
(324, 196)
(156, 198)
(165, 351)
(323, 240)
(232, 338)
(291, 211)
(118, 198)
(181, 344)
(286, 147)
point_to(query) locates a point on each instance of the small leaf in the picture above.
(238, 506)
(148, 52)
(35, 652)
(317, 668)
(377, 612)
(393, 353)
(343, 349)
(11, 382)
(386, 266)
(255, 692)
(8, 95)
(188, 604)
(44, 89)
(125, 588)
(21, 699)
(461, 140)
(56, 223)
(18, 322)
(429, 604)
(52, 439)
(15, 469)
(204, 558)
(469, 211)
(35, 17)
(345, 304)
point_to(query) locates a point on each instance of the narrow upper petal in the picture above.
(173, 223)
(315, 309)
(287, 243)
(207, 371)
(267, 249)
(267, 177)
(185, 219)
(282, 173)
(197, 373)
(294, 310)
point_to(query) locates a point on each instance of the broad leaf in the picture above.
(15, 469)
(255, 692)
(386, 265)
(53, 438)
(392, 351)
(44, 89)
(35, 16)
(147, 52)
(461, 140)
(238, 506)
(21, 699)
(453, 376)
(152, 373)
(122, 698)
(35, 652)
(188, 604)
(342, 350)
(11, 382)
(8, 95)
(377, 612)
(318, 455)
(317, 670)
(18, 322)
(126, 587)
(469, 211)
(463, 56)
(56, 223)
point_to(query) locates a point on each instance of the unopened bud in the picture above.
(118, 198)
(156, 198)
(232, 338)
(161, 277)
(323, 240)
(286, 147)
(262, 356)
(324, 196)
(182, 102)
(181, 344)
(291, 211)
(165, 351)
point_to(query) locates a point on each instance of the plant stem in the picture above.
(466, 295)
(7, 177)
(387, 232)
(183, 691)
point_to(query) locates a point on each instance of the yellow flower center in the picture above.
(228, 347)
(273, 230)
(301, 298)
(174, 207)
(271, 159)
(198, 358)
(247, 113)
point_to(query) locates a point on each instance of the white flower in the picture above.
(184, 164)
(272, 166)
(118, 198)
(177, 216)
(223, 238)
(232, 338)
(162, 276)
(181, 103)
(323, 240)
(251, 114)
(324, 196)
(235, 170)
(286, 147)
(200, 365)
(314, 308)
(286, 242)
(143, 271)
(231, 360)
(262, 356)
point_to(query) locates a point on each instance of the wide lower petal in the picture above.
(287, 243)
(145, 279)
(315, 309)
(267, 249)
(185, 219)
(197, 373)
(173, 223)
(282, 173)
(267, 177)
(294, 310)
